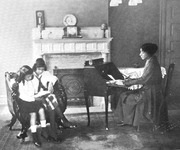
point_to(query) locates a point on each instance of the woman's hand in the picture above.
(111, 82)
(116, 82)
(119, 82)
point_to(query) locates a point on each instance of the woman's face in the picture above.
(39, 70)
(143, 54)
(28, 77)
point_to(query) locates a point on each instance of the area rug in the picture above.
(95, 137)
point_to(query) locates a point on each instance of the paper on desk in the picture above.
(114, 81)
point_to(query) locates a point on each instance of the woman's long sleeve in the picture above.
(148, 72)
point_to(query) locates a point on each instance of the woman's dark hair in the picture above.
(23, 71)
(149, 48)
(39, 63)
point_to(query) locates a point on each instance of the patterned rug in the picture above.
(96, 137)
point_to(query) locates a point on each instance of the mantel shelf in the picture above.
(73, 40)
(72, 53)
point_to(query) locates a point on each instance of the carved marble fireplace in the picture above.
(65, 57)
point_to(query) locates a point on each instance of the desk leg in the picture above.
(87, 106)
(106, 110)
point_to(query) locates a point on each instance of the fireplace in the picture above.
(73, 82)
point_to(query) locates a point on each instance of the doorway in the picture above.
(170, 41)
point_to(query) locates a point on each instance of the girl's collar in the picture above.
(38, 76)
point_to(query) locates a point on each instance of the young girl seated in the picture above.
(29, 104)
(50, 82)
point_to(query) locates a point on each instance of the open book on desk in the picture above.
(115, 82)
(112, 84)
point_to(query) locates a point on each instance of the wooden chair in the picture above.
(14, 107)
(168, 80)
(12, 100)
(166, 88)
(167, 94)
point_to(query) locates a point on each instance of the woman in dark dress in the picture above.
(147, 103)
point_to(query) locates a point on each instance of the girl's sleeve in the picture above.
(148, 71)
(51, 78)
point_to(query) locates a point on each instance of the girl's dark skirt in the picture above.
(29, 107)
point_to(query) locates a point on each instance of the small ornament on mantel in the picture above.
(71, 30)
(104, 27)
(40, 22)
(41, 28)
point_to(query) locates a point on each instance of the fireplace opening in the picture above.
(73, 82)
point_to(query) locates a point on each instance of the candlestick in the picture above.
(104, 27)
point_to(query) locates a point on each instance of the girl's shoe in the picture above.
(44, 134)
(22, 135)
(36, 140)
(66, 125)
(70, 126)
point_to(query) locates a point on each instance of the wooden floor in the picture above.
(96, 137)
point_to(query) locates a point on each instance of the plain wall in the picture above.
(131, 27)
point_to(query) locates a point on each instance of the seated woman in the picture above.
(29, 104)
(50, 82)
(148, 102)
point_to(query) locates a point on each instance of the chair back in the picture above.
(9, 91)
(169, 80)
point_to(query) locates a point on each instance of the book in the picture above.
(42, 93)
(117, 82)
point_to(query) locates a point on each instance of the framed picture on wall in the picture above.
(40, 18)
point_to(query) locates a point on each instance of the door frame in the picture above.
(162, 33)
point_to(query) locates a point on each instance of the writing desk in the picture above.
(95, 85)
(95, 78)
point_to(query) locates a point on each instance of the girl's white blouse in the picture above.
(28, 90)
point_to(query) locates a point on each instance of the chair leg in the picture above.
(13, 120)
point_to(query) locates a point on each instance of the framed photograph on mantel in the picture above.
(40, 18)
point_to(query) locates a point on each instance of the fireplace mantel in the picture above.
(55, 49)
(67, 46)
(71, 40)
